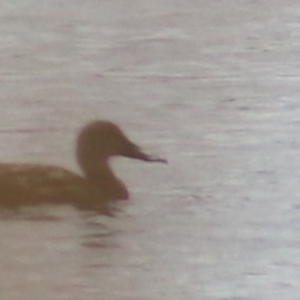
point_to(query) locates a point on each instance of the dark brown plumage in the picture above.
(26, 184)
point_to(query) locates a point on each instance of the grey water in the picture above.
(212, 86)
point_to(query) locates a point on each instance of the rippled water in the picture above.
(210, 85)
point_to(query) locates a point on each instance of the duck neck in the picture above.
(101, 175)
(99, 170)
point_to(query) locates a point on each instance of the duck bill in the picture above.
(136, 153)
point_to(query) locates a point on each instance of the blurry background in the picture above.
(213, 86)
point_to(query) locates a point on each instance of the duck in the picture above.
(93, 189)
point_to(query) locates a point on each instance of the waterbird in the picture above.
(94, 189)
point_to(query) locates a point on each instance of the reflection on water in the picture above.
(211, 86)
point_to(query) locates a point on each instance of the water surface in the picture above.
(210, 85)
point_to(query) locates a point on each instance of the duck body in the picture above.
(33, 184)
(30, 184)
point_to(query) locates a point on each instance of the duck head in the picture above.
(100, 140)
